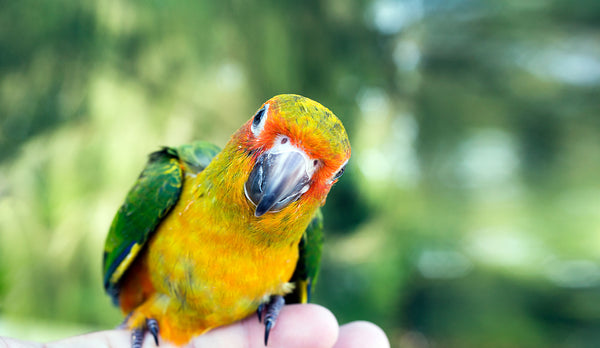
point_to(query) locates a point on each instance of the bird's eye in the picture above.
(258, 117)
(258, 122)
(339, 173)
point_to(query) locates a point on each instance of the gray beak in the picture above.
(277, 180)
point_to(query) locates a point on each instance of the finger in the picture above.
(12, 343)
(362, 334)
(309, 326)
(101, 339)
(302, 326)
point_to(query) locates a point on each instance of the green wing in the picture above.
(307, 268)
(154, 194)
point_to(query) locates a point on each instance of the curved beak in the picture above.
(277, 179)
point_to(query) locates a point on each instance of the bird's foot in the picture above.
(270, 310)
(139, 328)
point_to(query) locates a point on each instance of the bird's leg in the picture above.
(152, 326)
(138, 331)
(271, 310)
(137, 338)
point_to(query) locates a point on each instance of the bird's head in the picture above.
(299, 150)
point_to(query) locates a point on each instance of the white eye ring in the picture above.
(259, 119)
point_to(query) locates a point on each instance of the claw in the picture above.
(268, 326)
(152, 325)
(259, 311)
(272, 310)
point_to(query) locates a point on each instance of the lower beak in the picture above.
(277, 180)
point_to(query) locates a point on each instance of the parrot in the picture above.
(207, 237)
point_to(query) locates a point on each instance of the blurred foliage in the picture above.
(470, 213)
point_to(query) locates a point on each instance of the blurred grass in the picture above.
(468, 216)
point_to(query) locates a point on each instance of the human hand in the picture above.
(302, 326)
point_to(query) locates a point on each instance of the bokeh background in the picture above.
(470, 212)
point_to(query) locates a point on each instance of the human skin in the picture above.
(301, 326)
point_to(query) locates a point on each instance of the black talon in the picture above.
(272, 310)
(259, 311)
(152, 325)
(268, 326)
(137, 338)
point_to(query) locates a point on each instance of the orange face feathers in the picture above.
(309, 125)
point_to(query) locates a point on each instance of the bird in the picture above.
(209, 236)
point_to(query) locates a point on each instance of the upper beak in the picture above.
(277, 180)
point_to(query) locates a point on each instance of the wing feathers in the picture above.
(152, 197)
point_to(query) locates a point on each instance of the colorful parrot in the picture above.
(207, 237)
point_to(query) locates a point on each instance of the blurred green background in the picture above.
(470, 212)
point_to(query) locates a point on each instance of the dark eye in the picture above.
(258, 122)
(258, 117)
(339, 173)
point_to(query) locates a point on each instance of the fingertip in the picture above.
(360, 334)
(304, 325)
(321, 321)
